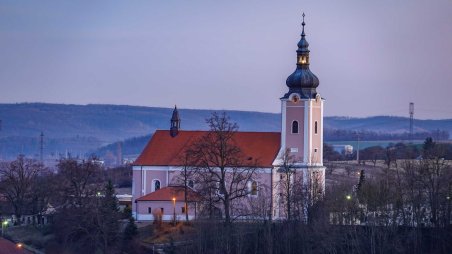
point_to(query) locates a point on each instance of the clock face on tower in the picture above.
(295, 99)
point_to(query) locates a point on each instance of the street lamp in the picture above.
(4, 225)
(174, 211)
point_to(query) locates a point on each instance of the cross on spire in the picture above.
(302, 33)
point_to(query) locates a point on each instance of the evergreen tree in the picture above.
(109, 220)
(130, 231)
(361, 180)
(428, 147)
(129, 243)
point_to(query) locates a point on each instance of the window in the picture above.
(315, 150)
(254, 188)
(295, 127)
(161, 210)
(315, 127)
(183, 209)
(156, 185)
(220, 190)
(302, 59)
(191, 184)
(149, 209)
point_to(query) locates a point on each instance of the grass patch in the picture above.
(37, 237)
(166, 231)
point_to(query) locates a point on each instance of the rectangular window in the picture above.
(149, 209)
(315, 150)
(183, 209)
(254, 188)
(294, 150)
(161, 209)
(315, 127)
(220, 189)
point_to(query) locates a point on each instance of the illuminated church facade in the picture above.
(155, 171)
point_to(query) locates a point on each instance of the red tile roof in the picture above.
(168, 193)
(164, 150)
(7, 247)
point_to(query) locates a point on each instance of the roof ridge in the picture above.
(276, 132)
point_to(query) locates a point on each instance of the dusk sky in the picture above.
(372, 57)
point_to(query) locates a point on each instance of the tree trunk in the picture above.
(186, 203)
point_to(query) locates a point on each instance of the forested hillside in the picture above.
(79, 129)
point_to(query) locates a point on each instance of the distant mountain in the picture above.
(78, 129)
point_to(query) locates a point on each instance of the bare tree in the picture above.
(17, 180)
(78, 180)
(87, 218)
(222, 166)
(436, 177)
(186, 177)
(287, 182)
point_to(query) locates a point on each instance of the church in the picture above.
(155, 189)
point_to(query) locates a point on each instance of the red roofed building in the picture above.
(156, 169)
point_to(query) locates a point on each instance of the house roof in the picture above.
(7, 247)
(168, 193)
(164, 150)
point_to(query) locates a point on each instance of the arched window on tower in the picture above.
(315, 127)
(156, 185)
(295, 127)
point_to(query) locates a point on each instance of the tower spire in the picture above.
(302, 80)
(175, 122)
(302, 24)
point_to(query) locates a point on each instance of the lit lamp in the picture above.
(302, 60)
(174, 210)
(4, 225)
(348, 197)
(19, 245)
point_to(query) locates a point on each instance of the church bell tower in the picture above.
(302, 111)
(302, 123)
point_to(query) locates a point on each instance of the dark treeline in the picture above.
(342, 134)
(289, 237)
(398, 151)
(84, 215)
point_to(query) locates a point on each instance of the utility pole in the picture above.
(357, 151)
(41, 147)
(411, 121)
(119, 153)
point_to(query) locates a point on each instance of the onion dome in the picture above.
(302, 80)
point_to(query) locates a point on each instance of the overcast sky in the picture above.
(372, 57)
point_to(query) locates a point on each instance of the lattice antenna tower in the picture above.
(411, 120)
